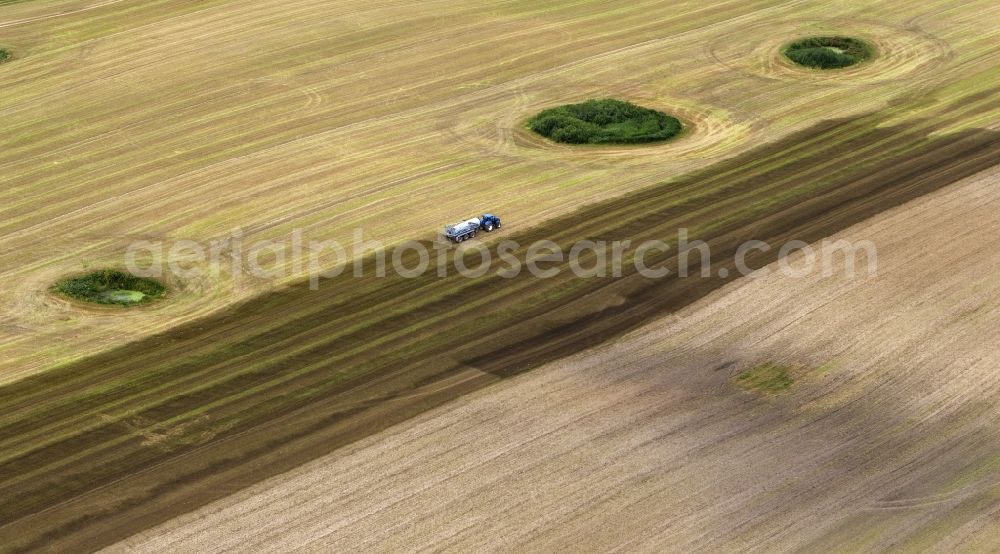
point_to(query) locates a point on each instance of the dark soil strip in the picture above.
(76, 474)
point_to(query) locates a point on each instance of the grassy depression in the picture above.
(605, 121)
(110, 286)
(832, 52)
(766, 377)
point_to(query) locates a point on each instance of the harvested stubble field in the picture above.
(164, 120)
(161, 120)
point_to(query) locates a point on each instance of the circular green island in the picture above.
(828, 52)
(604, 121)
(111, 286)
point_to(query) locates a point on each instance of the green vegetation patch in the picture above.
(766, 377)
(605, 121)
(4, 55)
(110, 286)
(828, 52)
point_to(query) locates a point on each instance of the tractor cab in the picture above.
(489, 222)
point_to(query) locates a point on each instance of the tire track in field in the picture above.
(481, 96)
(66, 13)
(902, 51)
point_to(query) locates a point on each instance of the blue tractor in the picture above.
(465, 230)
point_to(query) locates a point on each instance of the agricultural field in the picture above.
(352, 115)
(652, 444)
(161, 121)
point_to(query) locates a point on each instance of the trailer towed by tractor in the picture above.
(467, 229)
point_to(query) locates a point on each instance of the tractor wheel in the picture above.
(489, 227)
